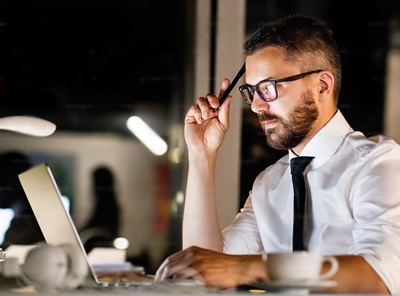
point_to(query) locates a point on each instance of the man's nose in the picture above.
(258, 105)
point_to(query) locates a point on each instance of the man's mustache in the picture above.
(267, 116)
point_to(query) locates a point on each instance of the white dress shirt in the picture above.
(353, 202)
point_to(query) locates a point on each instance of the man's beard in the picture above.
(289, 133)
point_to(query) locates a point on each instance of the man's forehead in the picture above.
(268, 52)
(267, 63)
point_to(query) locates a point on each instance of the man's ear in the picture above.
(327, 81)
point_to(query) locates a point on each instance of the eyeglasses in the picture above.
(266, 89)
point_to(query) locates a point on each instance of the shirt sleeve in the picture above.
(375, 200)
(242, 235)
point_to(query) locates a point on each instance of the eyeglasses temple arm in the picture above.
(231, 86)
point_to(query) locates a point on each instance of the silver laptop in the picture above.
(55, 221)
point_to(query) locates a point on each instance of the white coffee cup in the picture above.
(299, 265)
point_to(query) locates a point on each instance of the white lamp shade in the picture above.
(28, 125)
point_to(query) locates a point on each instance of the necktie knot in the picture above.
(298, 164)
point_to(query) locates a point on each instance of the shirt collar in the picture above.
(325, 143)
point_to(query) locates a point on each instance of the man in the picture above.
(353, 202)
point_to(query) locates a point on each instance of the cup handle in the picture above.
(334, 267)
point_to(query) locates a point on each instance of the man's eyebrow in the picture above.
(260, 81)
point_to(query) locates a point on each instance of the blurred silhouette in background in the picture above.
(103, 226)
(23, 228)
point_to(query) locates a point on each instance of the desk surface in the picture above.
(13, 288)
(150, 292)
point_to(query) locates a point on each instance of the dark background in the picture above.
(89, 65)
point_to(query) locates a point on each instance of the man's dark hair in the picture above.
(306, 41)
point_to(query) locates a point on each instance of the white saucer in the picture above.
(294, 285)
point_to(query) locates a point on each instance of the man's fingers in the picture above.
(224, 85)
(181, 270)
(174, 263)
(223, 114)
(201, 110)
(204, 106)
(169, 271)
(188, 273)
(195, 112)
(212, 100)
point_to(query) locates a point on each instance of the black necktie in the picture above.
(297, 165)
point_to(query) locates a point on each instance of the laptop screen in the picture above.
(52, 215)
